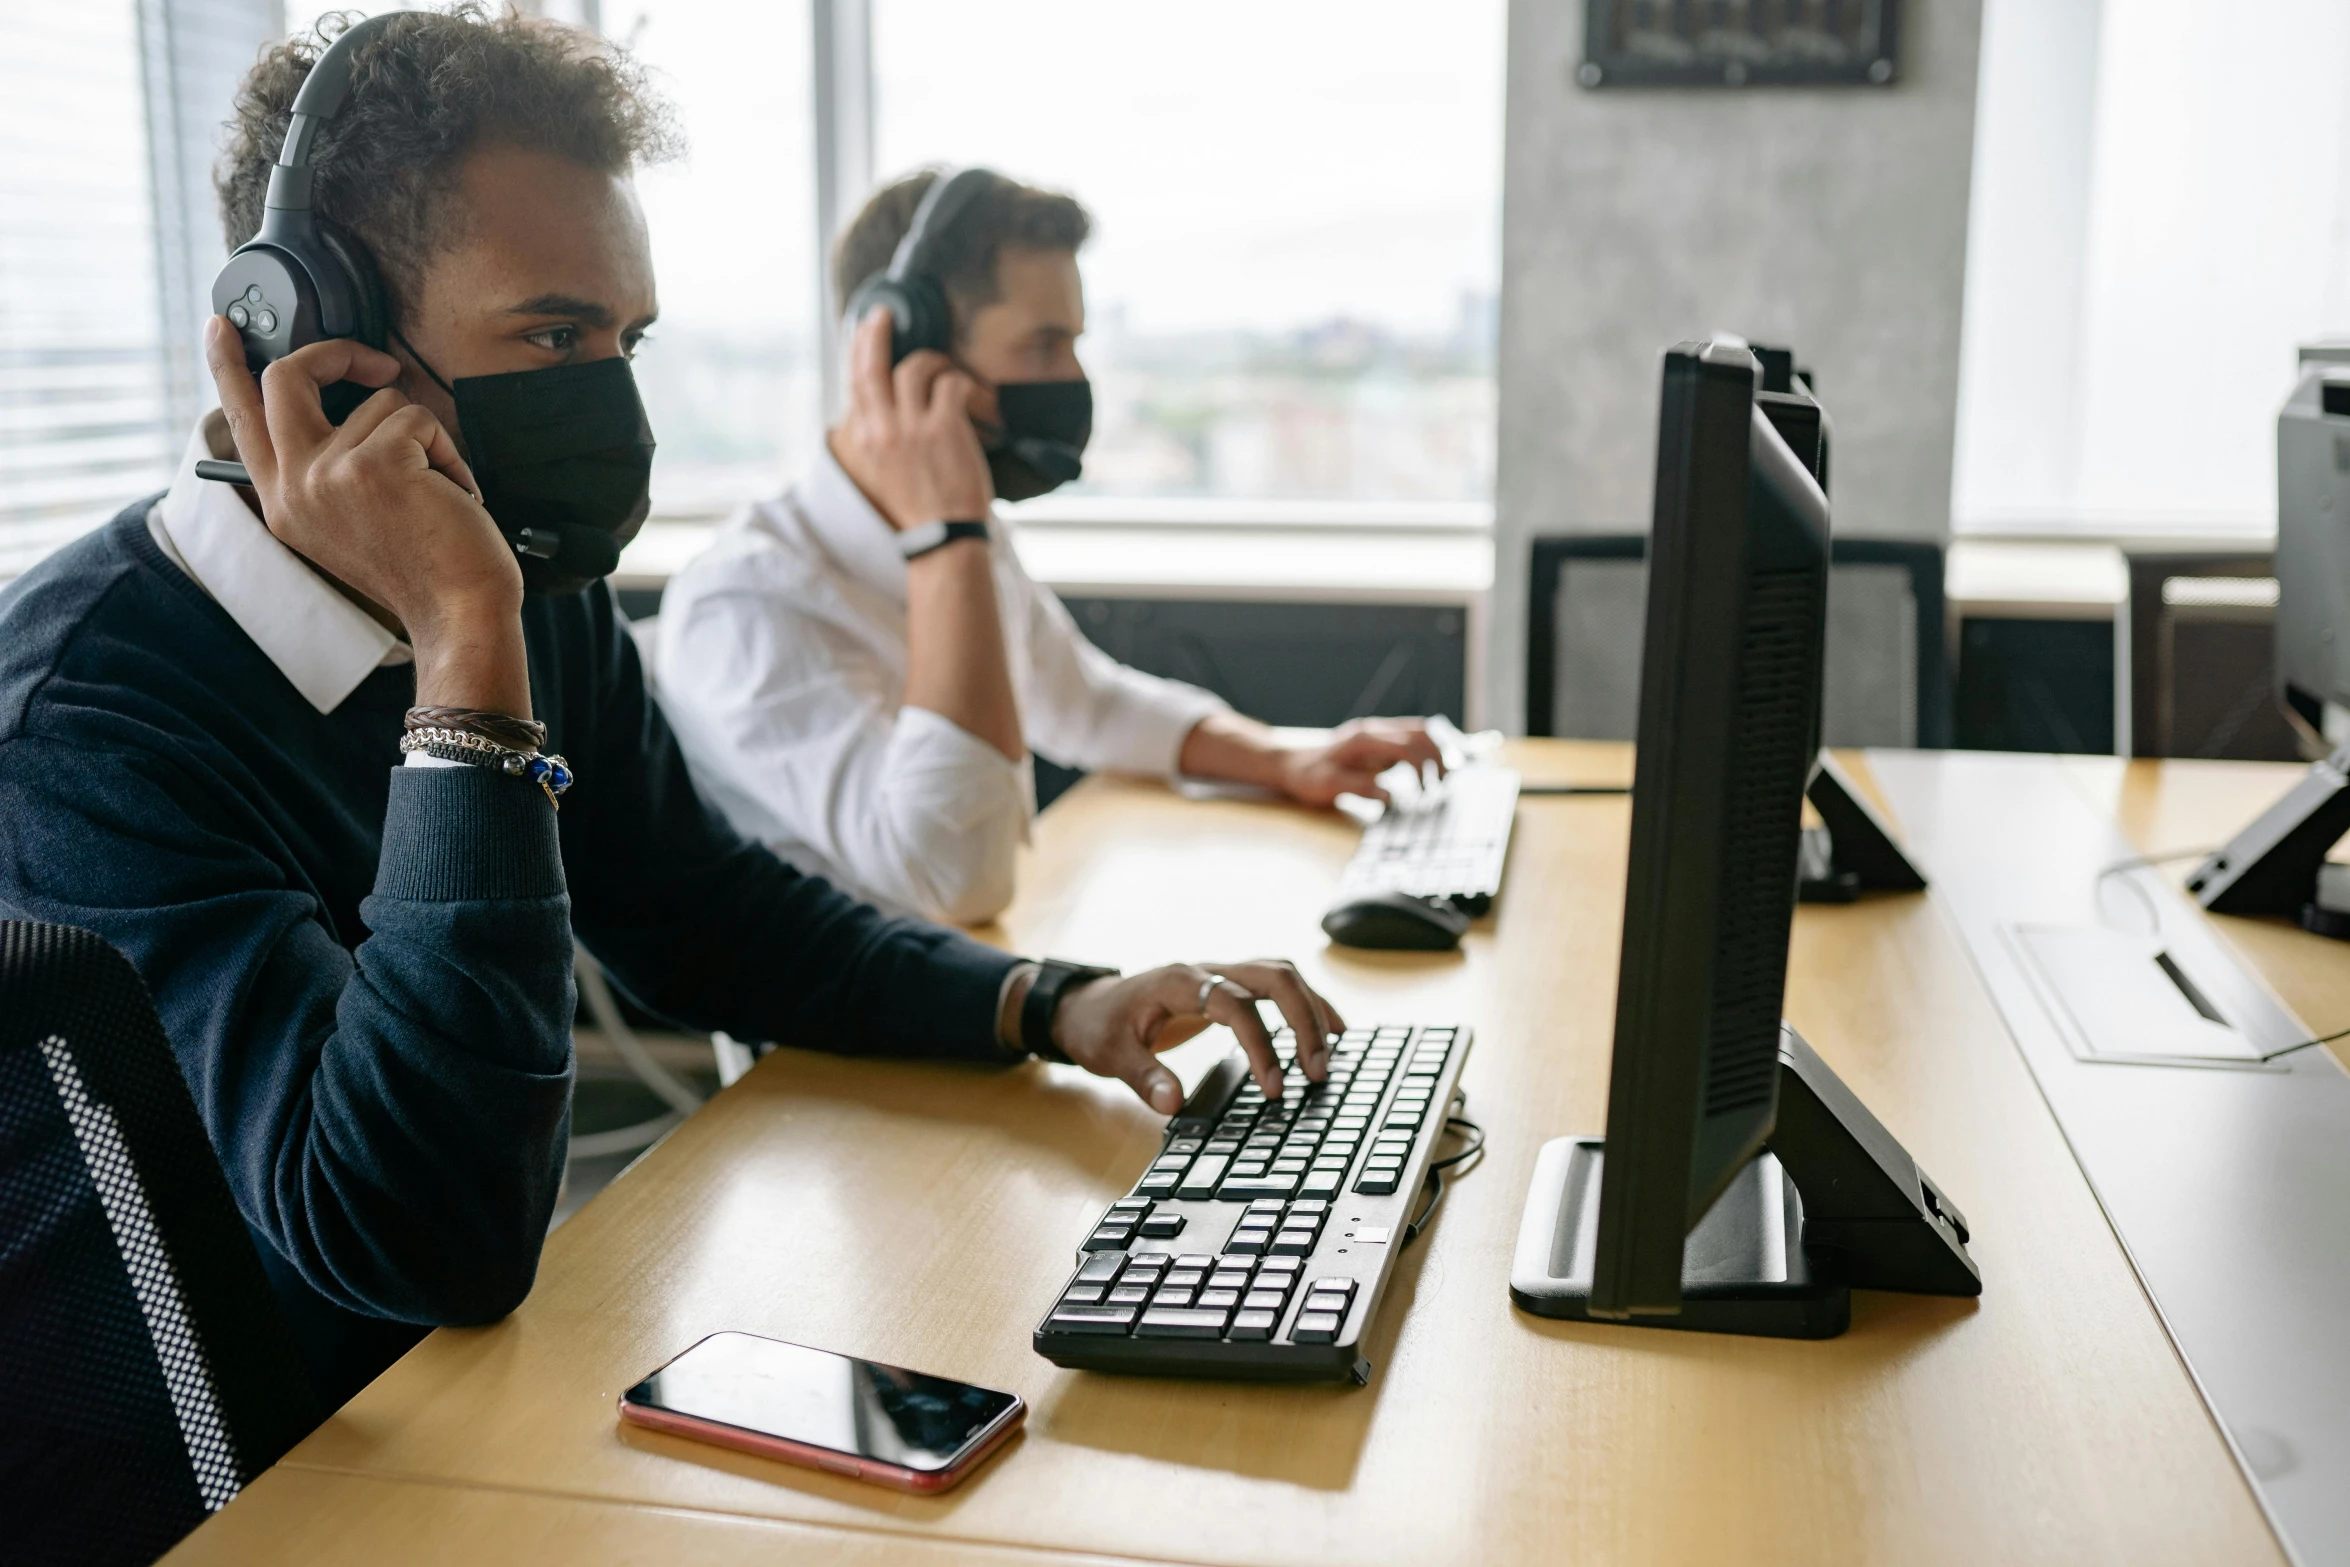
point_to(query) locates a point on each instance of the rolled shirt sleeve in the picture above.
(793, 728)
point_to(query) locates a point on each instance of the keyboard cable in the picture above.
(1454, 1120)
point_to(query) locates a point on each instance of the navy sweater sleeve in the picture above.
(716, 932)
(391, 1118)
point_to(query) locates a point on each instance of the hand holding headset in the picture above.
(301, 280)
(919, 316)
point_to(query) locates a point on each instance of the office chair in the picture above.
(1888, 660)
(145, 1374)
(2197, 645)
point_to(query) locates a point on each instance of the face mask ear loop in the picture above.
(426, 366)
(422, 363)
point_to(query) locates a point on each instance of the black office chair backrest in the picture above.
(2198, 643)
(145, 1373)
(1888, 660)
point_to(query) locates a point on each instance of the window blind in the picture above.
(83, 422)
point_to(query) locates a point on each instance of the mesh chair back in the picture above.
(2197, 648)
(145, 1374)
(1887, 678)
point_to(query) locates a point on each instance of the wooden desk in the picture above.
(924, 1214)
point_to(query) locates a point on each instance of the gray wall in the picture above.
(1832, 220)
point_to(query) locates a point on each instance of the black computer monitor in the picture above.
(2313, 547)
(1851, 849)
(1729, 724)
(1740, 1186)
(1789, 401)
(2277, 863)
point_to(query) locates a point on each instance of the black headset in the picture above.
(917, 302)
(301, 279)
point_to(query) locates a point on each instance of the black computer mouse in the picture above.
(1396, 922)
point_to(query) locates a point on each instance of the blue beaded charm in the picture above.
(550, 773)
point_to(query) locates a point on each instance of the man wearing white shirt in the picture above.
(858, 686)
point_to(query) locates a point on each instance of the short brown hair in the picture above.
(426, 91)
(1004, 215)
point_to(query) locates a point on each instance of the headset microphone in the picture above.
(1056, 460)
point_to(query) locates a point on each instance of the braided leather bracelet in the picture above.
(516, 734)
(551, 773)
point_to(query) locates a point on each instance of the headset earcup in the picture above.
(268, 294)
(917, 313)
(313, 283)
(371, 306)
(366, 309)
(927, 323)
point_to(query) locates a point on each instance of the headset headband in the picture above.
(948, 195)
(319, 99)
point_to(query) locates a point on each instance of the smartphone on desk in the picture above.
(834, 1412)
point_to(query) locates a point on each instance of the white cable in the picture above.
(624, 1139)
(631, 1050)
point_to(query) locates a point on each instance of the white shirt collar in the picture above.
(848, 526)
(319, 640)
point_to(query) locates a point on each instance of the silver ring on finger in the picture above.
(1206, 988)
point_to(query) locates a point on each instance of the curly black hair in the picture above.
(424, 93)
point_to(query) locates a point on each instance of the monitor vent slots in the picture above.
(1775, 657)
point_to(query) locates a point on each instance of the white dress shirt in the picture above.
(782, 667)
(319, 640)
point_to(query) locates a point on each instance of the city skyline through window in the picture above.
(1291, 285)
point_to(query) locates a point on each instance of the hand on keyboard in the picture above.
(1358, 752)
(1116, 1027)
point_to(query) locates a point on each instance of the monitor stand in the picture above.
(2272, 866)
(1852, 851)
(1833, 1203)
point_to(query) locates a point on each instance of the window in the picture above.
(2161, 214)
(83, 427)
(1291, 287)
(1290, 290)
(730, 372)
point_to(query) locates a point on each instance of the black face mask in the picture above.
(564, 458)
(1041, 443)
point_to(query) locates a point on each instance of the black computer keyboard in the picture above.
(1258, 1242)
(1447, 843)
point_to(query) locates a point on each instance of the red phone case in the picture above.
(896, 1476)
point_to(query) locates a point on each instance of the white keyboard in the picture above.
(1447, 842)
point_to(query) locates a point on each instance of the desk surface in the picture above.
(924, 1214)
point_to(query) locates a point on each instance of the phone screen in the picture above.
(813, 1396)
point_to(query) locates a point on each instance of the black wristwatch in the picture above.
(1054, 979)
(915, 543)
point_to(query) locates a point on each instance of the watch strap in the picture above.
(1055, 978)
(915, 543)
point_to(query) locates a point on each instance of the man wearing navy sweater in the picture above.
(362, 955)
